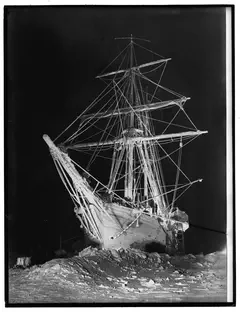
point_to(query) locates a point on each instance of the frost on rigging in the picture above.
(140, 127)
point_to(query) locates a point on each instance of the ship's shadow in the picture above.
(150, 247)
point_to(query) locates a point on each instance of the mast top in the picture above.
(131, 38)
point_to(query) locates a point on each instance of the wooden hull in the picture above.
(143, 234)
(112, 224)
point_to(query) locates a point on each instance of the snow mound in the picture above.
(97, 264)
(129, 254)
(101, 275)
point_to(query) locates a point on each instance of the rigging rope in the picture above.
(168, 192)
(155, 140)
(165, 65)
(189, 118)
(147, 49)
(80, 131)
(177, 175)
(96, 152)
(115, 59)
(77, 133)
(164, 88)
(88, 108)
(166, 122)
(79, 116)
(172, 120)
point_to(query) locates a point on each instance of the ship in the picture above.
(131, 126)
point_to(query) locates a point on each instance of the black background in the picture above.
(52, 55)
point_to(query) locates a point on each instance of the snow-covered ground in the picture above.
(122, 276)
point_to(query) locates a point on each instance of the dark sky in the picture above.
(52, 56)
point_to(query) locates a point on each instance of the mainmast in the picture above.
(138, 122)
(129, 177)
